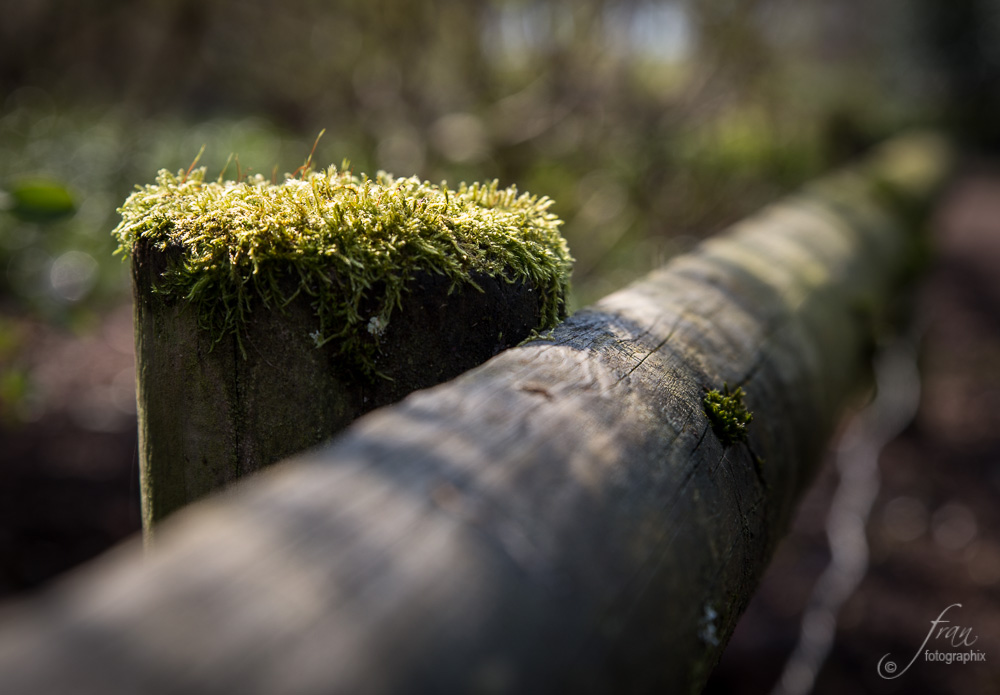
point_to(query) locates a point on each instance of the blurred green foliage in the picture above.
(649, 123)
(40, 200)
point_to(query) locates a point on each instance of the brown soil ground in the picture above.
(68, 471)
(68, 483)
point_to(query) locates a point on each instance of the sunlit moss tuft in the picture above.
(349, 243)
(727, 414)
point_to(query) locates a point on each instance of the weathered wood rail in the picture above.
(560, 519)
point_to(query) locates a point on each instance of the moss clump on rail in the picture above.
(350, 243)
(727, 414)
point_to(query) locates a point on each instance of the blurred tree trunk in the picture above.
(960, 37)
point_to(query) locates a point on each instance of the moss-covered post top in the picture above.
(350, 243)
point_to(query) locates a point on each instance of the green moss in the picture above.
(727, 414)
(349, 243)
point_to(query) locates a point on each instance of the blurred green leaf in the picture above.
(40, 200)
(11, 339)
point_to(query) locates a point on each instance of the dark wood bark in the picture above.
(209, 414)
(560, 519)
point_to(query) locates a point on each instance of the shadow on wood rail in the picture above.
(560, 519)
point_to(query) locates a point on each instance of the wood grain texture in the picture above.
(211, 412)
(560, 519)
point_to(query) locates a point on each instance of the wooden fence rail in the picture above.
(564, 518)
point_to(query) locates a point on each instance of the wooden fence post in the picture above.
(268, 317)
(582, 514)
